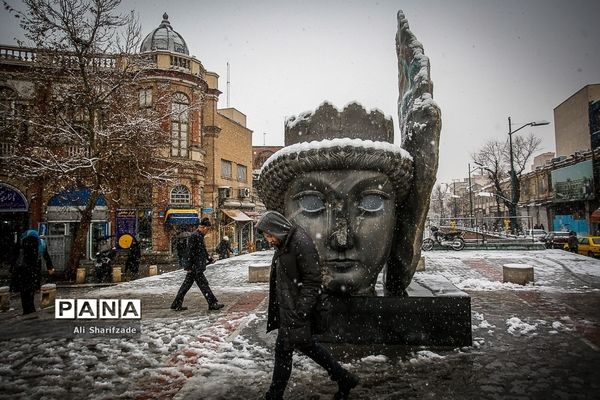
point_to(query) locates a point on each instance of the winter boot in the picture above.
(346, 383)
(273, 395)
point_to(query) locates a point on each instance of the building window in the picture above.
(13, 119)
(179, 125)
(226, 169)
(241, 173)
(180, 195)
(145, 96)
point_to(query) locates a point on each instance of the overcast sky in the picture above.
(489, 59)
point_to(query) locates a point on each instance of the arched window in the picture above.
(180, 195)
(180, 125)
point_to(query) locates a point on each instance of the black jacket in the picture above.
(197, 255)
(26, 272)
(296, 279)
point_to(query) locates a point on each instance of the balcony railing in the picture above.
(11, 54)
(20, 54)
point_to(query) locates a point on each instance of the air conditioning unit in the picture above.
(224, 193)
(244, 192)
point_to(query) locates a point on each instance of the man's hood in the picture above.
(275, 224)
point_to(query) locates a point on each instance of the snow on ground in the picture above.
(229, 274)
(202, 356)
(554, 270)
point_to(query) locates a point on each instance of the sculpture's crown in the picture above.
(326, 122)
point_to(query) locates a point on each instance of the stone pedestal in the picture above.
(520, 274)
(48, 295)
(153, 270)
(434, 315)
(116, 274)
(80, 277)
(259, 272)
(4, 298)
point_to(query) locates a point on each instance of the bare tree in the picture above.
(494, 157)
(86, 124)
(438, 197)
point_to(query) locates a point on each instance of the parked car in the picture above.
(589, 246)
(537, 234)
(556, 239)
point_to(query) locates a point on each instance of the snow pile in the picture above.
(481, 323)
(425, 356)
(375, 359)
(516, 327)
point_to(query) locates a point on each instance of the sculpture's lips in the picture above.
(341, 265)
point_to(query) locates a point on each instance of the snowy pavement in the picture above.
(529, 342)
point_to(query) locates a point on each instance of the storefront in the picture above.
(239, 227)
(573, 190)
(136, 222)
(62, 218)
(14, 219)
(180, 221)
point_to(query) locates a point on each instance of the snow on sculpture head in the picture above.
(343, 190)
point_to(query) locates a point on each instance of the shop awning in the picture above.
(237, 215)
(11, 199)
(253, 214)
(595, 217)
(182, 216)
(75, 197)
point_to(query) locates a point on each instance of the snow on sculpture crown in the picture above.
(326, 122)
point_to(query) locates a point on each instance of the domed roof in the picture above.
(164, 38)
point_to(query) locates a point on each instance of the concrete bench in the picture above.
(116, 274)
(259, 272)
(80, 277)
(520, 274)
(48, 295)
(4, 298)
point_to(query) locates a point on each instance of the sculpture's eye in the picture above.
(372, 202)
(311, 203)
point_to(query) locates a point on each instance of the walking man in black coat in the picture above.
(27, 267)
(295, 286)
(197, 260)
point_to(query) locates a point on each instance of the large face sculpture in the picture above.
(350, 214)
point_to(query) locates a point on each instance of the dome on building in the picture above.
(164, 38)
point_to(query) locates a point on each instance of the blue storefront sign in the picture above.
(11, 199)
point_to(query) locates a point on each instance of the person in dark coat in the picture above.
(27, 267)
(133, 259)
(198, 258)
(294, 290)
(224, 248)
(572, 242)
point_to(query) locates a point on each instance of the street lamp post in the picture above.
(470, 194)
(514, 194)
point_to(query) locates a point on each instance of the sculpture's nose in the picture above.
(341, 238)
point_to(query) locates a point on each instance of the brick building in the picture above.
(154, 213)
(229, 199)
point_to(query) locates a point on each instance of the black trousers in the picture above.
(202, 283)
(27, 296)
(283, 363)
